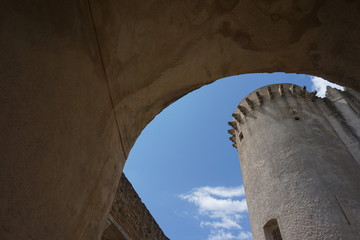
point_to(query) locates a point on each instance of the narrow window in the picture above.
(272, 230)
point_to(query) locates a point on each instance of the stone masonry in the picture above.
(129, 218)
(299, 160)
(342, 109)
(81, 79)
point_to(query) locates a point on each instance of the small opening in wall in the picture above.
(241, 136)
(272, 230)
(296, 118)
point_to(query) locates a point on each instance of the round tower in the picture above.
(300, 180)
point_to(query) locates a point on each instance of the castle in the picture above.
(300, 159)
(80, 80)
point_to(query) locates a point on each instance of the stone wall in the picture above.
(132, 217)
(300, 179)
(342, 111)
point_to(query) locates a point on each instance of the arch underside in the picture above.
(154, 55)
(81, 79)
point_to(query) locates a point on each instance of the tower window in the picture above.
(276, 234)
(272, 230)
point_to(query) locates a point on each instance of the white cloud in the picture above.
(220, 209)
(319, 84)
(224, 222)
(225, 191)
(222, 235)
(217, 200)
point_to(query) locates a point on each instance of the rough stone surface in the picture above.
(295, 167)
(132, 215)
(67, 66)
(342, 109)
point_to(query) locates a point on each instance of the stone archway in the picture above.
(81, 79)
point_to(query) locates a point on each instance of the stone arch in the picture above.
(81, 79)
(189, 44)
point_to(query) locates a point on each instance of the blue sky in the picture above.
(184, 167)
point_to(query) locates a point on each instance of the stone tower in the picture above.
(298, 161)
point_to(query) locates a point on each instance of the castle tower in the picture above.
(342, 109)
(300, 179)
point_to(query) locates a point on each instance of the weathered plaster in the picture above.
(162, 50)
(59, 147)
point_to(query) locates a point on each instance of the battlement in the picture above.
(260, 97)
(286, 138)
(271, 92)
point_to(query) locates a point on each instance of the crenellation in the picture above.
(281, 90)
(237, 117)
(233, 125)
(259, 97)
(243, 109)
(313, 96)
(293, 89)
(262, 101)
(298, 151)
(270, 93)
(303, 92)
(250, 103)
(231, 131)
